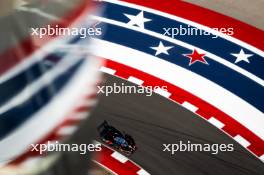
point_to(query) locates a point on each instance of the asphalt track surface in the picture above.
(248, 11)
(154, 120)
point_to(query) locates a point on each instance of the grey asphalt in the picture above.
(248, 11)
(153, 121)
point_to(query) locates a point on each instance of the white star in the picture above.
(137, 20)
(241, 56)
(161, 49)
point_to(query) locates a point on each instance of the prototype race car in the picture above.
(114, 138)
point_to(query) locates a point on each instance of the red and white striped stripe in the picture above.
(65, 129)
(213, 115)
(117, 163)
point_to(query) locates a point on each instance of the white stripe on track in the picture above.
(107, 70)
(142, 172)
(162, 92)
(229, 103)
(216, 122)
(190, 106)
(185, 45)
(186, 21)
(119, 157)
(242, 141)
(52, 114)
(43, 81)
(67, 130)
(135, 80)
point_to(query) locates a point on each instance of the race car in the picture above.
(114, 138)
